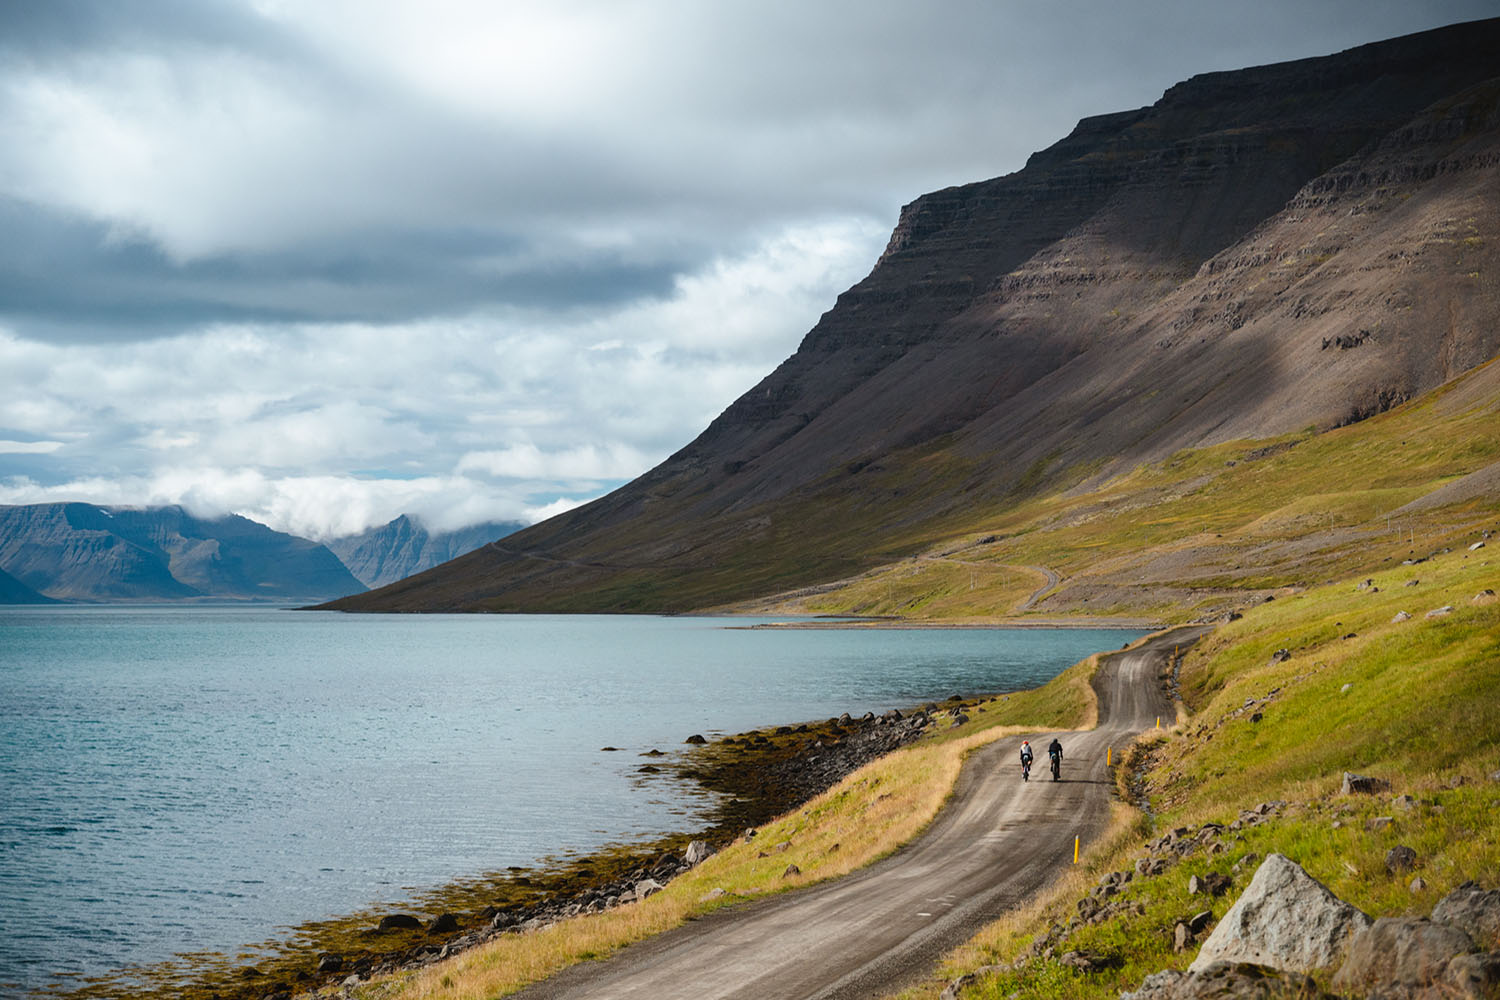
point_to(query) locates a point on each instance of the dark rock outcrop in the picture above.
(82, 552)
(1161, 278)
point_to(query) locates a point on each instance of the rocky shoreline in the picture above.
(758, 775)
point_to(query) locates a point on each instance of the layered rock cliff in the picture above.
(1260, 251)
(82, 552)
(404, 546)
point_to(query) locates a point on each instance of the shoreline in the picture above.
(758, 775)
(907, 624)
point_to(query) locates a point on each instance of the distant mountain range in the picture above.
(1261, 252)
(404, 548)
(84, 552)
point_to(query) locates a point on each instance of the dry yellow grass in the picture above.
(860, 820)
(863, 818)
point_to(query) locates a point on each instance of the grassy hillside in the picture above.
(1209, 530)
(1415, 701)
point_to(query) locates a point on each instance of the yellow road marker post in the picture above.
(1075, 850)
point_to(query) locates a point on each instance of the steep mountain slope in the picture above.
(396, 550)
(1261, 251)
(13, 591)
(80, 552)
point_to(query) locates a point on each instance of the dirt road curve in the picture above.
(997, 842)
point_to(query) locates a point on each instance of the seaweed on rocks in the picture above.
(757, 776)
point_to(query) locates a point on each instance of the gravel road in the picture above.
(996, 844)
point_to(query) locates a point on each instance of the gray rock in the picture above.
(398, 922)
(1446, 609)
(1157, 986)
(1377, 823)
(1474, 911)
(647, 887)
(696, 739)
(1474, 976)
(697, 852)
(1416, 885)
(953, 989)
(1400, 859)
(1400, 951)
(790, 871)
(1401, 616)
(444, 923)
(1227, 981)
(1085, 961)
(1285, 919)
(1405, 802)
(1360, 784)
(1212, 884)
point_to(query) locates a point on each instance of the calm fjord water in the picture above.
(176, 779)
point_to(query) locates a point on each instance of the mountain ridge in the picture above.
(403, 546)
(1263, 250)
(85, 552)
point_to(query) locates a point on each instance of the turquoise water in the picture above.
(175, 779)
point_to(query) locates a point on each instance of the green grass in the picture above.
(1451, 829)
(1380, 701)
(1416, 702)
(1218, 527)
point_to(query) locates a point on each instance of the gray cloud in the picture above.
(314, 262)
(174, 162)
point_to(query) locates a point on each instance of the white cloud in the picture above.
(584, 462)
(325, 429)
(29, 447)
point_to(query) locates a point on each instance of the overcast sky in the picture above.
(321, 262)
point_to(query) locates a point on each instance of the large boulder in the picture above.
(1400, 952)
(647, 887)
(1285, 919)
(1474, 911)
(697, 851)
